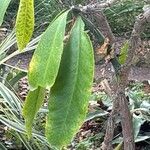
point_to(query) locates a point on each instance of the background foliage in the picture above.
(121, 18)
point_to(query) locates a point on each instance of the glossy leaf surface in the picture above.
(24, 23)
(70, 94)
(32, 104)
(45, 62)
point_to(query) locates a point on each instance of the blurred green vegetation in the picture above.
(121, 16)
(45, 11)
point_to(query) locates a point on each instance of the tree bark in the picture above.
(121, 101)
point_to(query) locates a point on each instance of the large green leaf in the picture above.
(45, 62)
(32, 104)
(70, 94)
(3, 6)
(24, 23)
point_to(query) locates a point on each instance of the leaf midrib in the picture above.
(75, 81)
